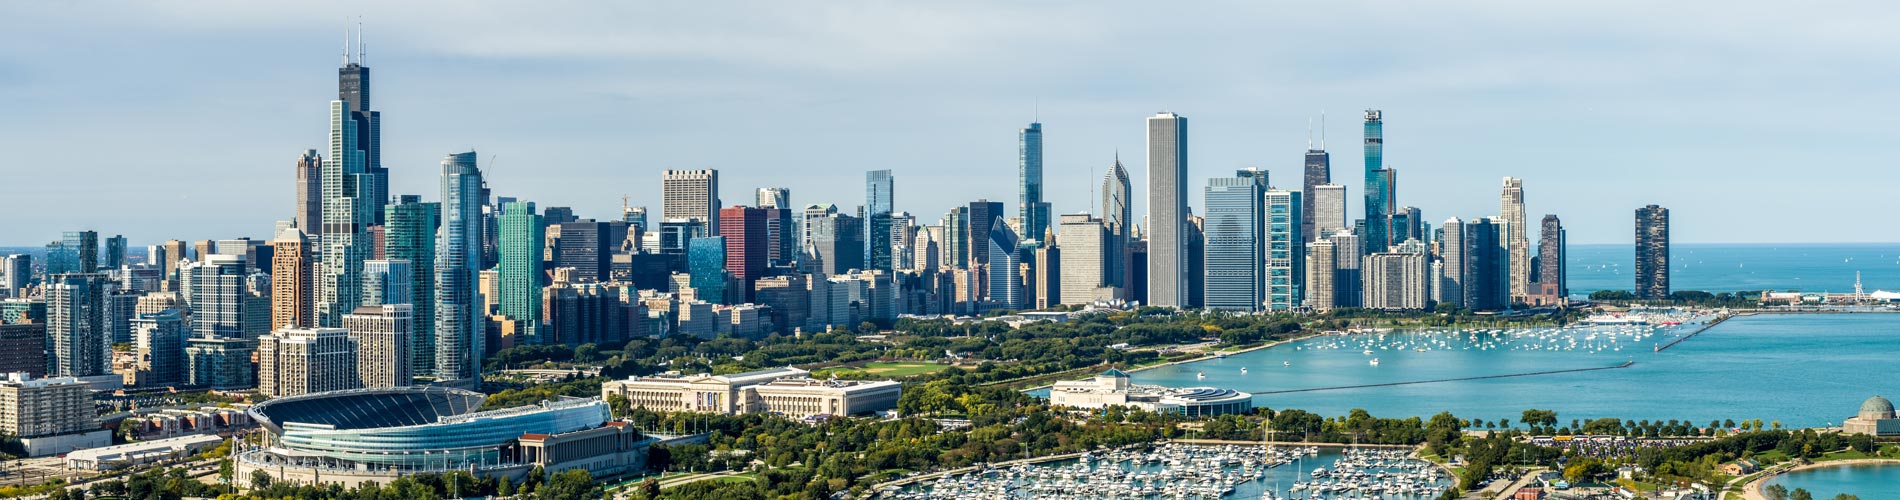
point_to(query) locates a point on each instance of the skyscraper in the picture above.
(1005, 279)
(745, 231)
(75, 252)
(1118, 220)
(159, 339)
(1235, 227)
(956, 238)
(1348, 272)
(1378, 190)
(584, 245)
(523, 239)
(381, 337)
(839, 241)
(388, 281)
(691, 194)
(1652, 253)
(409, 233)
(1084, 242)
(1286, 269)
(775, 197)
(1486, 268)
(352, 87)
(1398, 279)
(878, 189)
(114, 253)
(346, 182)
(293, 281)
(1167, 211)
(75, 317)
(1551, 260)
(217, 294)
(1319, 172)
(1454, 267)
(1321, 272)
(1033, 211)
(293, 361)
(1516, 239)
(308, 214)
(459, 321)
(706, 267)
(17, 269)
(983, 213)
(1329, 204)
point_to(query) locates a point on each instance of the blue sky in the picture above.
(1752, 121)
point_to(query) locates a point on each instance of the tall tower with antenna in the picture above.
(353, 88)
(1319, 172)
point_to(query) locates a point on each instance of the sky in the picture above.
(1751, 121)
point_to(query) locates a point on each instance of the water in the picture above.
(1803, 370)
(1866, 481)
(1735, 267)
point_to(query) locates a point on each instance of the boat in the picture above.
(1200, 375)
(1243, 369)
(1375, 361)
(1286, 363)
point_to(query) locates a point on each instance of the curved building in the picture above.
(351, 436)
(1111, 388)
(1876, 418)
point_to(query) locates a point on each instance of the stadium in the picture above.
(346, 437)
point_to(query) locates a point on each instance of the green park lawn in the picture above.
(893, 369)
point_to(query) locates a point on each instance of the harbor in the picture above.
(1180, 470)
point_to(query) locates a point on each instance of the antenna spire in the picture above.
(359, 40)
(346, 46)
(1309, 132)
(1322, 130)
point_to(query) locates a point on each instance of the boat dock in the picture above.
(1705, 327)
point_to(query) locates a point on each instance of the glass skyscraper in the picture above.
(1033, 212)
(523, 243)
(346, 219)
(878, 189)
(1234, 226)
(1286, 269)
(706, 265)
(409, 228)
(460, 327)
(1378, 189)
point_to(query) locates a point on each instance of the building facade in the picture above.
(293, 361)
(691, 194)
(459, 320)
(1167, 211)
(1652, 253)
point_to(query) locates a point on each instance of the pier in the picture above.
(1705, 327)
(1625, 364)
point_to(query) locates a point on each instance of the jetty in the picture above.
(1705, 327)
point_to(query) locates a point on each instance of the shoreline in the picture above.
(1203, 357)
(1752, 490)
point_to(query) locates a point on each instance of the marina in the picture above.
(1193, 471)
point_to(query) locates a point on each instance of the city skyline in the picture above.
(951, 141)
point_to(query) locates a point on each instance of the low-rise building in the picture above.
(788, 391)
(139, 453)
(1112, 388)
(1876, 418)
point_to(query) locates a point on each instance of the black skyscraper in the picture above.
(352, 86)
(1319, 171)
(1652, 253)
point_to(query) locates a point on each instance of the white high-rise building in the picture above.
(1397, 279)
(294, 361)
(1517, 240)
(1329, 209)
(382, 336)
(691, 194)
(1167, 211)
(1453, 262)
(1084, 241)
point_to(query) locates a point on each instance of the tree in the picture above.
(259, 480)
(1539, 417)
(129, 429)
(1844, 496)
(650, 488)
(1800, 494)
(504, 487)
(1775, 492)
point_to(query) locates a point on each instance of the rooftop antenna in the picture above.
(1309, 132)
(359, 40)
(1322, 130)
(346, 46)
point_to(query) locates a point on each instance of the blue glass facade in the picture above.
(523, 243)
(1285, 266)
(1233, 243)
(1378, 190)
(706, 263)
(1033, 212)
(878, 188)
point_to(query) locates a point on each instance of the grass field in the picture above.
(884, 369)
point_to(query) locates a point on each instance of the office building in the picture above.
(1005, 278)
(460, 324)
(1517, 241)
(352, 87)
(775, 197)
(1378, 187)
(308, 214)
(1031, 209)
(1168, 211)
(1397, 280)
(1487, 271)
(293, 361)
(523, 234)
(1235, 228)
(410, 234)
(1318, 172)
(121, 306)
(293, 280)
(1453, 267)
(926, 254)
(114, 257)
(956, 238)
(1044, 276)
(691, 194)
(220, 364)
(747, 238)
(781, 237)
(218, 293)
(983, 214)
(879, 187)
(706, 264)
(159, 340)
(381, 337)
(75, 310)
(349, 196)
(388, 282)
(1118, 220)
(788, 299)
(1084, 242)
(49, 416)
(1552, 287)
(1652, 253)
(787, 391)
(1348, 277)
(23, 348)
(16, 271)
(1321, 271)
(585, 246)
(1285, 263)
(838, 239)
